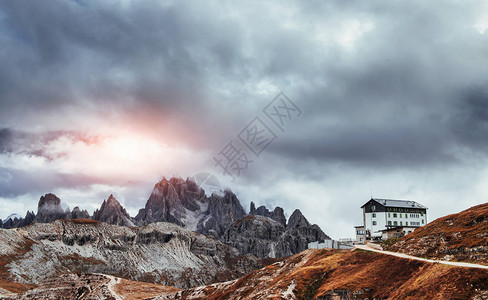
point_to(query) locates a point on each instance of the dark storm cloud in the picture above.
(16, 182)
(6, 137)
(470, 122)
(37, 144)
(395, 96)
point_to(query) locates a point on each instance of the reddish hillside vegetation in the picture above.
(327, 274)
(462, 236)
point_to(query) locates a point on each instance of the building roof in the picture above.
(398, 203)
(394, 228)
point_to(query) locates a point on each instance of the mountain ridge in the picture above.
(184, 203)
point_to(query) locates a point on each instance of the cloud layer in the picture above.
(106, 96)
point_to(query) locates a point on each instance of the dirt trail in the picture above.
(445, 262)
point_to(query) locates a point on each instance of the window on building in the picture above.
(374, 215)
(373, 208)
(395, 223)
(401, 223)
(422, 221)
(394, 215)
(389, 222)
(406, 216)
(374, 222)
(400, 215)
(394, 209)
(389, 215)
(406, 223)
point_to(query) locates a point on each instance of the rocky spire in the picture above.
(77, 213)
(172, 201)
(112, 212)
(49, 209)
(278, 214)
(253, 208)
(297, 219)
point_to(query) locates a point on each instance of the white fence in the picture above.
(328, 244)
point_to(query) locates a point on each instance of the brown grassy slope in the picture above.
(141, 290)
(324, 274)
(462, 236)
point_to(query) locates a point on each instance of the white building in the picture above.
(381, 214)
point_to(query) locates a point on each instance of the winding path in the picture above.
(402, 255)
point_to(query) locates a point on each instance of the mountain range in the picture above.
(262, 233)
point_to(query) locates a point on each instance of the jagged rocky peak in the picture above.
(221, 212)
(297, 219)
(49, 201)
(266, 234)
(175, 200)
(112, 212)
(77, 213)
(49, 209)
(15, 220)
(278, 214)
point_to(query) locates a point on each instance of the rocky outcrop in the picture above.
(222, 212)
(184, 203)
(15, 221)
(160, 252)
(112, 212)
(49, 209)
(77, 213)
(278, 214)
(265, 237)
(176, 201)
(257, 235)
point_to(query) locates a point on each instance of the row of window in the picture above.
(406, 215)
(401, 209)
(395, 223)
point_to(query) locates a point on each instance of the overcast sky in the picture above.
(388, 97)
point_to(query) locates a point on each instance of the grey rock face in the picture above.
(77, 213)
(112, 212)
(172, 201)
(222, 211)
(278, 214)
(257, 235)
(160, 252)
(18, 222)
(184, 203)
(265, 237)
(49, 209)
(297, 219)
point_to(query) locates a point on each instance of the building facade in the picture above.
(381, 214)
(360, 234)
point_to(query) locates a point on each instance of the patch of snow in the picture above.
(192, 218)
